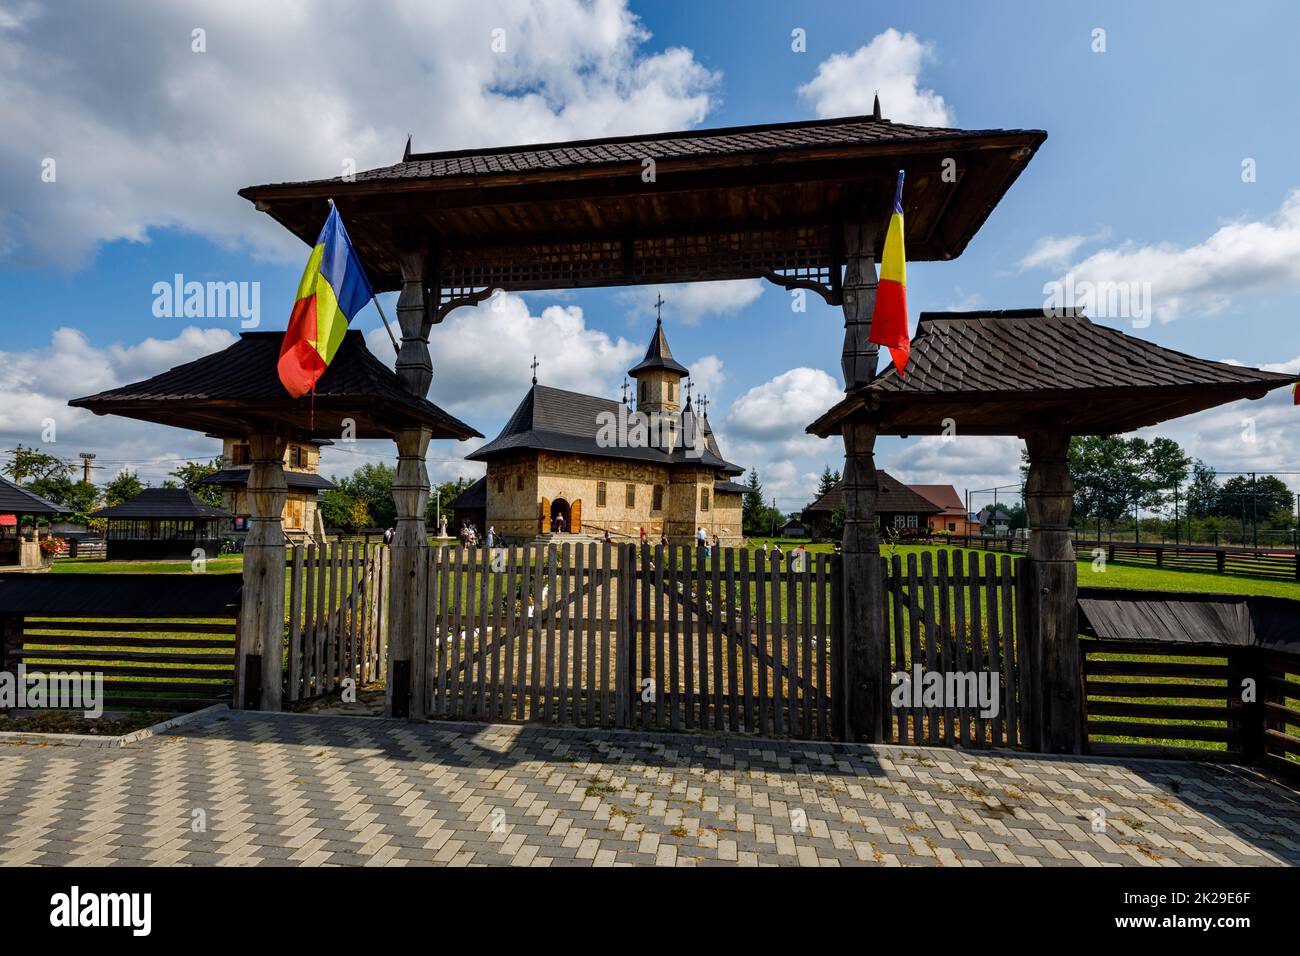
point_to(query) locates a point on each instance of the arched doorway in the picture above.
(560, 509)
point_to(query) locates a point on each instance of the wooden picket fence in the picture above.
(337, 617)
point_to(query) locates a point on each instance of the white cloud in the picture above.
(1238, 258)
(707, 375)
(690, 302)
(764, 429)
(1053, 251)
(146, 133)
(846, 83)
(482, 356)
(965, 462)
(39, 382)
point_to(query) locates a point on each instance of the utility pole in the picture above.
(87, 463)
(1254, 507)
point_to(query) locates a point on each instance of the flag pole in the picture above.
(375, 299)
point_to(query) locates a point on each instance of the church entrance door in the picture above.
(560, 510)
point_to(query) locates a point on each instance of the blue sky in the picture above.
(1141, 177)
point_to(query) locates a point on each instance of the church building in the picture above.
(573, 464)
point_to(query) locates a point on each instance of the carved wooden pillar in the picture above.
(259, 667)
(406, 600)
(1049, 598)
(866, 650)
(858, 360)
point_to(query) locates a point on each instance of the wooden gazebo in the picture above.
(801, 204)
(162, 524)
(17, 503)
(237, 392)
(1043, 378)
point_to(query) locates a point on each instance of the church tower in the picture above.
(658, 377)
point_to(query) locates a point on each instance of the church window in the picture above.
(630, 496)
(704, 499)
(600, 494)
(297, 456)
(659, 498)
(239, 454)
(501, 485)
(672, 391)
(519, 482)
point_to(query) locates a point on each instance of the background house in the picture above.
(995, 519)
(301, 515)
(952, 518)
(899, 509)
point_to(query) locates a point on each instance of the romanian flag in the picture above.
(333, 289)
(889, 317)
(1295, 394)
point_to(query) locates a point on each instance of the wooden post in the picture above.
(1049, 596)
(405, 695)
(261, 615)
(862, 589)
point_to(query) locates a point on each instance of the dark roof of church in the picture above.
(895, 498)
(1000, 372)
(554, 419)
(301, 480)
(730, 487)
(14, 499)
(475, 496)
(659, 355)
(177, 504)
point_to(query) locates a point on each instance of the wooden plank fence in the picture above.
(146, 663)
(337, 622)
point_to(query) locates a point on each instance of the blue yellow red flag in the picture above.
(889, 316)
(333, 289)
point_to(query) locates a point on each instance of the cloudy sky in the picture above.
(1170, 163)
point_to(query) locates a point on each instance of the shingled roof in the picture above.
(296, 480)
(164, 504)
(17, 500)
(658, 355)
(237, 392)
(1001, 373)
(473, 497)
(894, 498)
(730, 141)
(744, 202)
(554, 419)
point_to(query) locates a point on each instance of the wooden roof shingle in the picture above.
(1001, 372)
(237, 392)
(17, 500)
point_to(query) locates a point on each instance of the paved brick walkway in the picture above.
(286, 789)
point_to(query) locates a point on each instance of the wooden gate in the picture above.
(672, 638)
(681, 638)
(954, 613)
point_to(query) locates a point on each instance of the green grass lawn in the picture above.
(226, 563)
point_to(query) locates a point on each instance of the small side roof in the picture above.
(165, 504)
(1005, 372)
(17, 500)
(473, 497)
(296, 480)
(237, 392)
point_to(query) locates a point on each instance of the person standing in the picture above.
(559, 524)
(643, 535)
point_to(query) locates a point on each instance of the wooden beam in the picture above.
(1049, 596)
(405, 695)
(866, 653)
(261, 614)
(858, 359)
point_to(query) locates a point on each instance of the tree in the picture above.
(753, 506)
(1244, 498)
(1114, 475)
(446, 492)
(828, 481)
(122, 488)
(32, 464)
(370, 486)
(192, 473)
(1203, 492)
